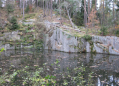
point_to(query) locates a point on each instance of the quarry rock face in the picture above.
(56, 38)
(62, 41)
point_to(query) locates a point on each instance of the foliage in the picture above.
(30, 8)
(79, 78)
(71, 8)
(55, 6)
(10, 8)
(103, 30)
(93, 3)
(117, 27)
(118, 6)
(27, 9)
(92, 19)
(14, 24)
(35, 76)
(87, 37)
(117, 32)
(38, 44)
(29, 16)
(2, 49)
(79, 17)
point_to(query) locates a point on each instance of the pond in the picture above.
(53, 68)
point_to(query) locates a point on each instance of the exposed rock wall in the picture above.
(106, 44)
(60, 40)
(63, 41)
(8, 39)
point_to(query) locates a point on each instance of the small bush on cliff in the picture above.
(14, 24)
(103, 31)
(117, 32)
(87, 37)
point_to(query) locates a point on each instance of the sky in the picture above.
(98, 2)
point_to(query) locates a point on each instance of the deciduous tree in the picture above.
(93, 21)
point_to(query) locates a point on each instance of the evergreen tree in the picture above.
(118, 6)
(14, 23)
(79, 17)
(93, 3)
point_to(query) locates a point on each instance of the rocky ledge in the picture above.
(61, 40)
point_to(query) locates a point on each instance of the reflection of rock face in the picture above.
(106, 62)
(100, 64)
(100, 61)
(63, 41)
(65, 60)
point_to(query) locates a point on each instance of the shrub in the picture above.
(29, 16)
(103, 31)
(10, 8)
(117, 32)
(14, 24)
(27, 9)
(87, 37)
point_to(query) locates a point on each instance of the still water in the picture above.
(104, 69)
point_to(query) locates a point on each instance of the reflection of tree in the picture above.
(19, 60)
(63, 65)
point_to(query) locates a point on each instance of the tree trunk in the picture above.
(43, 9)
(88, 8)
(85, 15)
(23, 9)
(51, 9)
(47, 8)
(20, 3)
(59, 2)
(113, 15)
(70, 18)
(95, 4)
(49, 5)
(37, 3)
(103, 13)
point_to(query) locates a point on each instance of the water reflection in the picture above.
(99, 84)
(105, 67)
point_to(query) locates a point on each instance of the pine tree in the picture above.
(117, 6)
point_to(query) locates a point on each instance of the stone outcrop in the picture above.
(63, 41)
(60, 39)
(8, 39)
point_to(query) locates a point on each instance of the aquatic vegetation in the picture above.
(49, 74)
(36, 77)
(33, 78)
